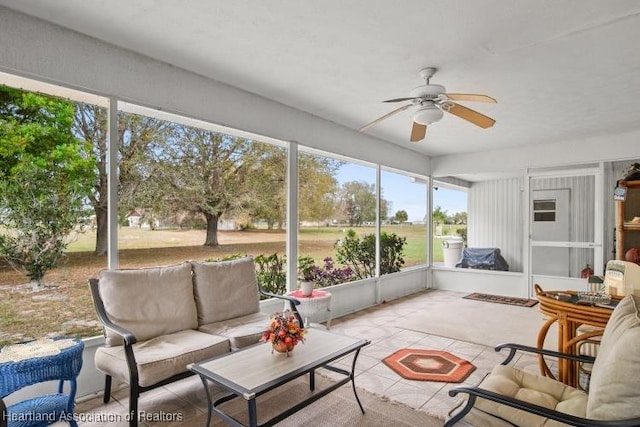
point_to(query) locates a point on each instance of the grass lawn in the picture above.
(65, 307)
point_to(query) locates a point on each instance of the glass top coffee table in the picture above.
(251, 372)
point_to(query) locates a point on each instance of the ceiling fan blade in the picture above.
(379, 119)
(409, 98)
(468, 114)
(470, 97)
(418, 132)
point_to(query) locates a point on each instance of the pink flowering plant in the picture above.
(324, 276)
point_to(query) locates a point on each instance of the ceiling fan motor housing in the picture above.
(428, 91)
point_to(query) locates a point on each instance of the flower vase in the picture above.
(282, 347)
(306, 288)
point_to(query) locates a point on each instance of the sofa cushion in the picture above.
(613, 390)
(149, 302)
(538, 390)
(161, 357)
(241, 331)
(225, 290)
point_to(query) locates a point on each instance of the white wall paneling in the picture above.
(495, 218)
(407, 282)
(483, 281)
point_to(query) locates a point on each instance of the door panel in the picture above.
(550, 222)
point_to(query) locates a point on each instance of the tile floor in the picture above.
(381, 324)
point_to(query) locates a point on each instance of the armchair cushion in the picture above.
(225, 290)
(160, 358)
(614, 392)
(149, 302)
(543, 391)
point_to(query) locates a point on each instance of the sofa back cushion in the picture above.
(613, 390)
(149, 301)
(225, 289)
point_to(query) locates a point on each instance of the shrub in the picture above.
(360, 253)
(271, 273)
(41, 210)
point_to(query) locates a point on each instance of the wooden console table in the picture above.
(569, 316)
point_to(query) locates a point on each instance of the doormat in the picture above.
(522, 302)
(429, 365)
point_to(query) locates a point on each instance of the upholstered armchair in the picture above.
(509, 396)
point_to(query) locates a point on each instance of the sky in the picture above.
(404, 194)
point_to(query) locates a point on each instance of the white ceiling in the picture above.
(560, 70)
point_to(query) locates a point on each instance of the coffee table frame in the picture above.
(261, 351)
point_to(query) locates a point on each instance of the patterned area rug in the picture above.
(522, 302)
(429, 365)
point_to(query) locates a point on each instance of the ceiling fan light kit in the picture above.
(432, 101)
(428, 114)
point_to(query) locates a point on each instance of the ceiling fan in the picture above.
(431, 101)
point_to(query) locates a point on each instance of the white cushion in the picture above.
(225, 290)
(543, 391)
(614, 393)
(241, 331)
(161, 357)
(149, 301)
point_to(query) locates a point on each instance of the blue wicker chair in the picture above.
(42, 410)
(3, 414)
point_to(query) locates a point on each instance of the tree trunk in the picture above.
(212, 229)
(102, 231)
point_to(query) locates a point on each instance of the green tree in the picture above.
(460, 218)
(439, 216)
(358, 203)
(316, 190)
(268, 184)
(401, 216)
(31, 124)
(359, 253)
(135, 136)
(318, 187)
(45, 177)
(205, 172)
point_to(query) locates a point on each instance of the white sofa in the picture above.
(158, 320)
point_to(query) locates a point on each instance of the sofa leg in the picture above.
(134, 393)
(107, 389)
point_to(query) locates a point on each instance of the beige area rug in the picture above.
(449, 315)
(338, 408)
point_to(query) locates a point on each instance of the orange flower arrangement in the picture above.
(284, 332)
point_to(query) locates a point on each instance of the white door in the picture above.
(550, 223)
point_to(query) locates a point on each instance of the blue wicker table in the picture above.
(38, 361)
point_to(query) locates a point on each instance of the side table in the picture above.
(38, 361)
(315, 307)
(569, 316)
